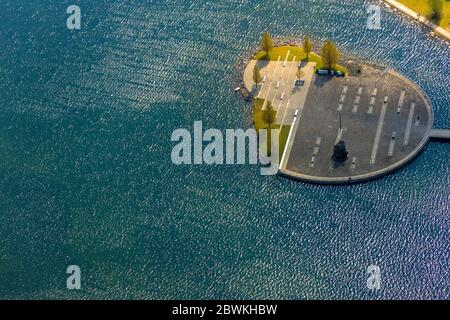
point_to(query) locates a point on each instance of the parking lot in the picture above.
(278, 85)
(383, 119)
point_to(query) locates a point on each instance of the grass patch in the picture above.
(282, 52)
(421, 6)
(284, 133)
(299, 54)
(259, 122)
(260, 116)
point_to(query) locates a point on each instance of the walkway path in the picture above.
(440, 134)
(438, 30)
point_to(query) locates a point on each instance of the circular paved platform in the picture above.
(383, 118)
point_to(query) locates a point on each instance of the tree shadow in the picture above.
(304, 62)
(338, 164)
(321, 80)
(435, 18)
(262, 63)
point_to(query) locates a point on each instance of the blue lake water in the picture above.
(86, 176)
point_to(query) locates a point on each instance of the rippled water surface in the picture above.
(86, 177)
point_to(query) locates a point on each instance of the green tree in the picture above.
(257, 75)
(270, 115)
(307, 46)
(436, 8)
(330, 55)
(267, 43)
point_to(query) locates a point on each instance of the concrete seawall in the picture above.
(445, 34)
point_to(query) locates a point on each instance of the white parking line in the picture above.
(260, 90)
(279, 105)
(266, 77)
(318, 141)
(409, 124)
(317, 146)
(289, 142)
(400, 101)
(311, 164)
(287, 56)
(316, 150)
(289, 75)
(339, 136)
(355, 108)
(287, 105)
(276, 67)
(285, 110)
(268, 90)
(282, 72)
(353, 165)
(392, 145)
(266, 98)
(371, 104)
(378, 134)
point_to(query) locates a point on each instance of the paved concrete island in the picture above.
(384, 119)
